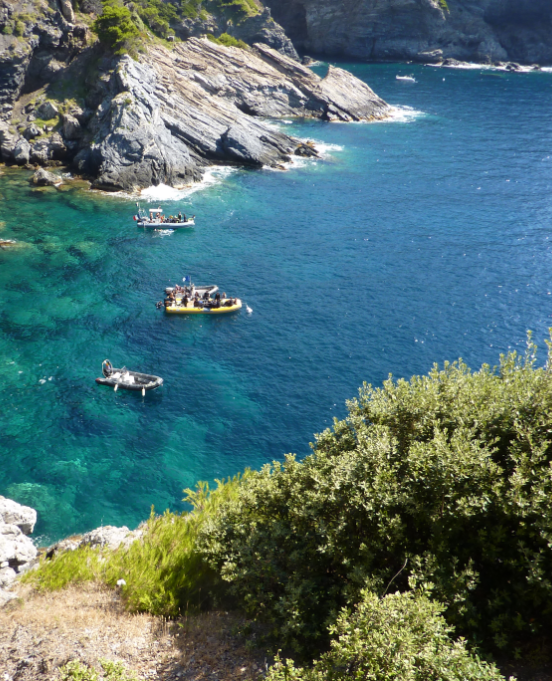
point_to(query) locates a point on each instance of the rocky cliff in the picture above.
(421, 30)
(162, 116)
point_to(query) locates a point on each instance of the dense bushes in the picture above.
(120, 24)
(402, 637)
(446, 475)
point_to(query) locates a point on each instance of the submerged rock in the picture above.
(42, 178)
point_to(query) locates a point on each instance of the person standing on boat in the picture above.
(180, 216)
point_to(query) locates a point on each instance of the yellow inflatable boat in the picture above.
(226, 305)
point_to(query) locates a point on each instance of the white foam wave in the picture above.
(403, 114)
(163, 192)
(249, 309)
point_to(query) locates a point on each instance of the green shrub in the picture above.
(112, 671)
(448, 473)
(115, 27)
(402, 637)
(226, 40)
(163, 571)
(19, 28)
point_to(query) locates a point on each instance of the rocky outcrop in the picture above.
(175, 112)
(109, 537)
(166, 116)
(17, 551)
(421, 30)
(259, 28)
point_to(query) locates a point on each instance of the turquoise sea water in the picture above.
(417, 240)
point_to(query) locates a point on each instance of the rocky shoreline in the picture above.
(18, 553)
(164, 117)
(425, 31)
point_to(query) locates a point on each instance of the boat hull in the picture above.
(140, 381)
(165, 225)
(179, 309)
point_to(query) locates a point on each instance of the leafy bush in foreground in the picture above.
(402, 637)
(442, 482)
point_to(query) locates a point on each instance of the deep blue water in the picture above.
(415, 241)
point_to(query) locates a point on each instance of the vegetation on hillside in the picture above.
(422, 515)
(123, 26)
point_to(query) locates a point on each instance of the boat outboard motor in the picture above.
(107, 368)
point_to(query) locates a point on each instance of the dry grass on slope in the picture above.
(43, 631)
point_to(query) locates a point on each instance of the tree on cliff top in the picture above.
(115, 27)
(441, 483)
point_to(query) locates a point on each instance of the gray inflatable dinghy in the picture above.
(128, 380)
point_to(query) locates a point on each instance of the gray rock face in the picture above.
(260, 28)
(177, 111)
(22, 151)
(109, 537)
(71, 127)
(422, 30)
(13, 513)
(17, 551)
(15, 548)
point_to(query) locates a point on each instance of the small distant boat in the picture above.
(128, 380)
(154, 219)
(408, 79)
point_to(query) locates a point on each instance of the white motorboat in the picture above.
(408, 79)
(155, 219)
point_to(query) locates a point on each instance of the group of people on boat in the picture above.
(193, 299)
(171, 219)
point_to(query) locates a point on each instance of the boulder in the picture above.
(31, 132)
(242, 146)
(47, 110)
(12, 513)
(42, 178)
(57, 147)
(110, 537)
(71, 127)
(40, 152)
(7, 576)
(67, 10)
(15, 548)
(306, 150)
(7, 143)
(22, 151)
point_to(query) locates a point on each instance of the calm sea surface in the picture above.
(415, 241)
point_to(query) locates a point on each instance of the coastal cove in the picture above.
(416, 240)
